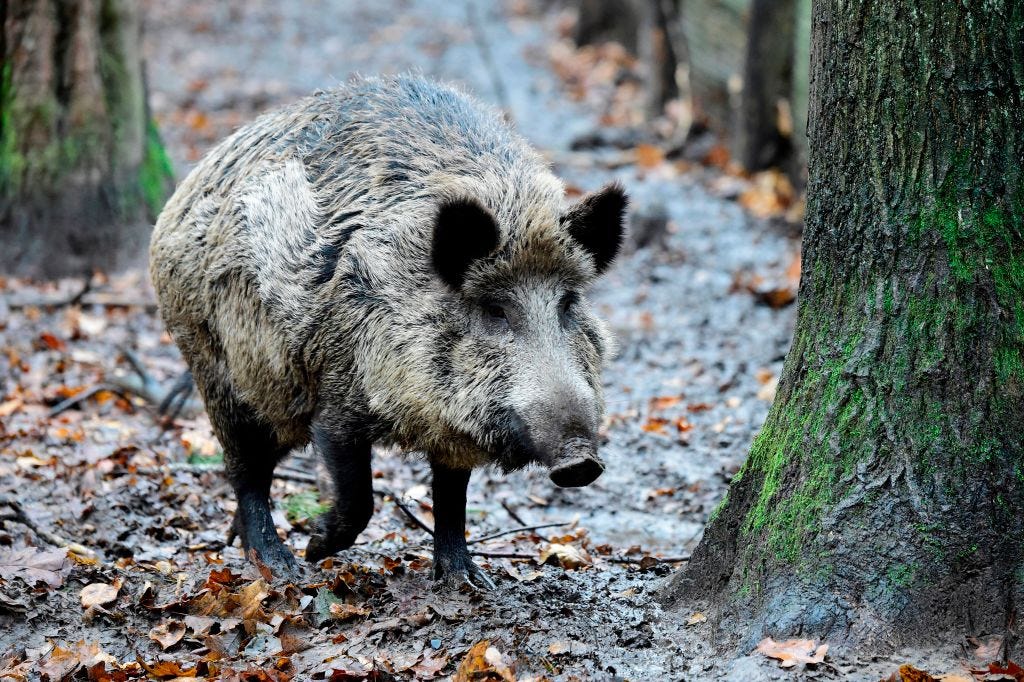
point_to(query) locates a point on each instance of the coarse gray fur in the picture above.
(293, 268)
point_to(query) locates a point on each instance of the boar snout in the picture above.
(576, 465)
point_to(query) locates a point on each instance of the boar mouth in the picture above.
(574, 465)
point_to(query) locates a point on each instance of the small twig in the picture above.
(405, 510)
(522, 529)
(20, 516)
(190, 467)
(660, 560)
(114, 300)
(512, 512)
(503, 555)
(74, 299)
(68, 403)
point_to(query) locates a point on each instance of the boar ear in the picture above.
(596, 223)
(463, 232)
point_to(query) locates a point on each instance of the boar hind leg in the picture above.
(452, 562)
(251, 452)
(348, 461)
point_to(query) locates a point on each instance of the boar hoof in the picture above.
(461, 572)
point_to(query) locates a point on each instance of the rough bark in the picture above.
(82, 170)
(883, 501)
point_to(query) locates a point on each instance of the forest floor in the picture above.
(700, 304)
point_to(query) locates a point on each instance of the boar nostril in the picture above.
(577, 465)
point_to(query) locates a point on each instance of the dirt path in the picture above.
(688, 390)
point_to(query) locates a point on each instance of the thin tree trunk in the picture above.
(763, 136)
(716, 35)
(883, 501)
(82, 170)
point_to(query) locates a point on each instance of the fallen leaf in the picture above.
(168, 633)
(663, 402)
(697, 619)
(655, 425)
(9, 407)
(166, 670)
(344, 611)
(568, 556)
(648, 156)
(59, 664)
(34, 565)
(1010, 671)
(483, 662)
(793, 651)
(908, 673)
(99, 594)
(430, 665)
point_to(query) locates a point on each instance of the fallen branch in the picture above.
(20, 516)
(61, 302)
(68, 403)
(405, 510)
(521, 529)
(196, 468)
(512, 512)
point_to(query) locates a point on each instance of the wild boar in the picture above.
(387, 262)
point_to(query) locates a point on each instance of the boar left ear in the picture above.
(596, 223)
(463, 232)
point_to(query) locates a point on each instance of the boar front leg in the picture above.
(452, 562)
(348, 461)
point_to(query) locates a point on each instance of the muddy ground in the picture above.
(701, 317)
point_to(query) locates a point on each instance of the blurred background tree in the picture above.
(82, 169)
(740, 65)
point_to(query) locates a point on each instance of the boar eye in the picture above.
(494, 312)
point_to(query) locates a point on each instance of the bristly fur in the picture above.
(295, 269)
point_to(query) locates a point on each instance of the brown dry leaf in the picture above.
(430, 665)
(648, 156)
(50, 341)
(251, 600)
(59, 664)
(769, 195)
(663, 402)
(166, 670)
(168, 633)
(908, 673)
(100, 594)
(343, 611)
(1010, 671)
(9, 407)
(34, 565)
(484, 662)
(793, 651)
(568, 556)
(696, 619)
(655, 425)
(682, 425)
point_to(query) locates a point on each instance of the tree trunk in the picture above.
(715, 32)
(764, 130)
(82, 170)
(883, 501)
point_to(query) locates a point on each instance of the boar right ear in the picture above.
(463, 232)
(596, 223)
